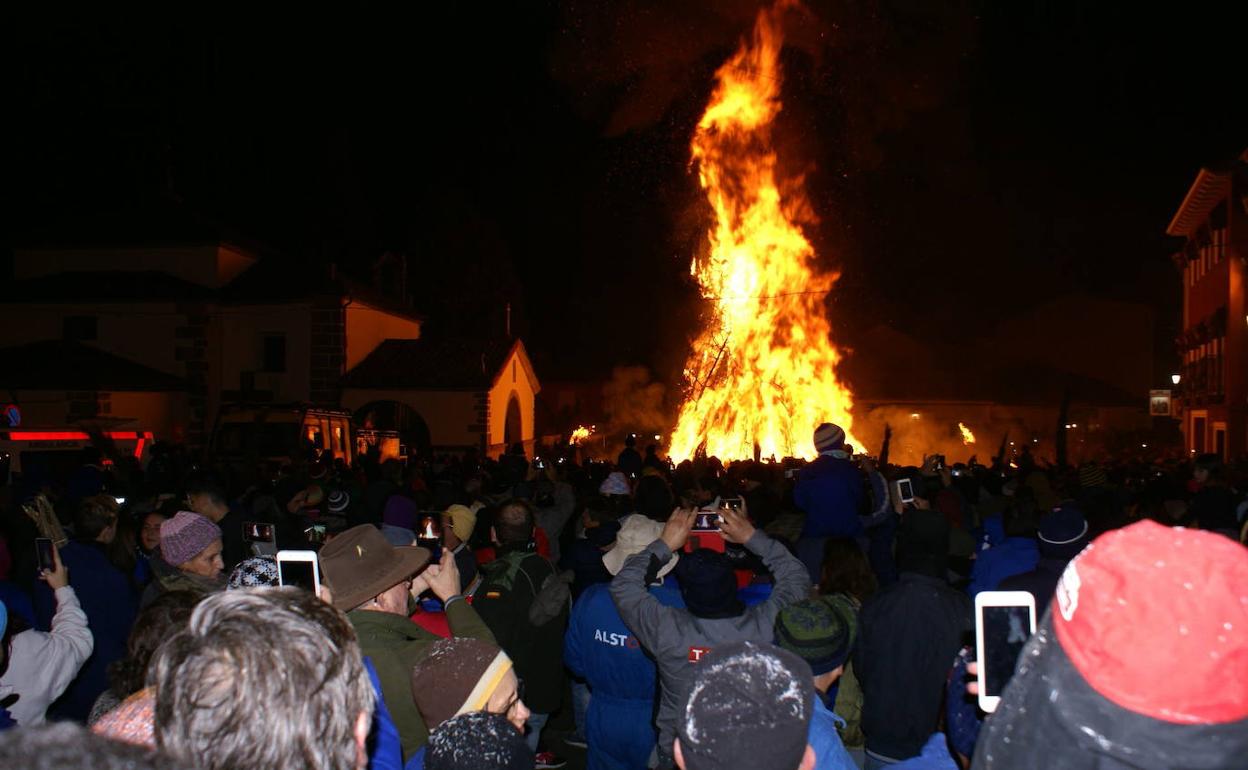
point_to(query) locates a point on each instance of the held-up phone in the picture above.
(45, 555)
(731, 502)
(315, 534)
(705, 521)
(299, 568)
(1004, 621)
(904, 489)
(257, 532)
(430, 536)
(938, 462)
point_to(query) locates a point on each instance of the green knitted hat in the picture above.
(821, 631)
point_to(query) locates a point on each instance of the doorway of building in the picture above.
(513, 431)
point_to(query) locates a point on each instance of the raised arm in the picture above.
(640, 611)
(792, 583)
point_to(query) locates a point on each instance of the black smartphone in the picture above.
(731, 502)
(257, 532)
(45, 554)
(706, 521)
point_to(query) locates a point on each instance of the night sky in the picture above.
(965, 162)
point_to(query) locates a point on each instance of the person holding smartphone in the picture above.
(40, 665)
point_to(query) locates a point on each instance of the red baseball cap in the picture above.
(1155, 619)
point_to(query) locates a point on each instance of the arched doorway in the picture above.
(397, 416)
(513, 430)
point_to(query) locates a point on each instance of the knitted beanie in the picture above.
(820, 631)
(458, 675)
(749, 706)
(339, 500)
(615, 484)
(477, 741)
(185, 536)
(253, 572)
(829, 437)
(463, 521)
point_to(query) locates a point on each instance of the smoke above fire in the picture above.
(762, 374)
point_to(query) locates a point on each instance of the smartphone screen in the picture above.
(297, 573)
(732, 502)
(257, 532)
(905, 490)
(1004, 621)
(43, 551)
(706, 521)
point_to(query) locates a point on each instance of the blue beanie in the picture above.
(708, 584)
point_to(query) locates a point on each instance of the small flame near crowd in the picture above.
(580, 435)
(763, 371)
(968, 438)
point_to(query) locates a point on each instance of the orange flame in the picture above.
(967, 436)
(580, 434)
(764, 368)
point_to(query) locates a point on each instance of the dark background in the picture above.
(966, 161)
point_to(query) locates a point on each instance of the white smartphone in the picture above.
(299, 568)
(1004, 621)
(905, 490)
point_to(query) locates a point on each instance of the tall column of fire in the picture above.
(763, 371)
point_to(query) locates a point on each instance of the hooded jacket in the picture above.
(677, 639)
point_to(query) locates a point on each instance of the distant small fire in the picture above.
(967, 437)
(580, 434)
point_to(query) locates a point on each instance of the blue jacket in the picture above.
(384, 750)
(935, 756)
(600, 649)
(110, 603)
(831, 493)
(830, 753)
(1012, 556)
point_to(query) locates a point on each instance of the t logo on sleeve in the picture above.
(696, 653)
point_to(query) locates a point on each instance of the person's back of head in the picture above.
(749, 706)
(96, 516)
(846, 570)
(821, 632)
(923, 543)
(513, 523)
(708, 584)
(61, 745)
(477, 740)
(1140, 662)
(263, 678)
(653, 498)
(165, 617)
(209, 487)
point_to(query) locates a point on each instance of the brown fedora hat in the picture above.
(360, 563)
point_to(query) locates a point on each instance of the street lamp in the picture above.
(1175, 378)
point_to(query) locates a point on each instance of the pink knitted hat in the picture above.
(183, 537)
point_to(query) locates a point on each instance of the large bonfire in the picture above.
(762, 374)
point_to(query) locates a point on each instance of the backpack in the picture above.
(550, 599)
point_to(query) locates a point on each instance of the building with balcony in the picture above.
(1213, 385)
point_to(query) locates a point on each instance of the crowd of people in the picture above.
(510, 612)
